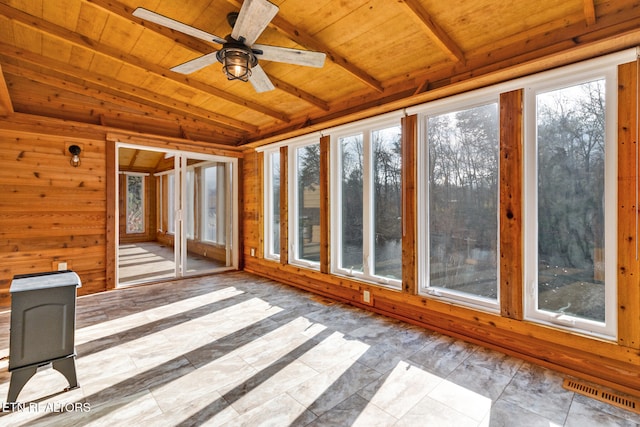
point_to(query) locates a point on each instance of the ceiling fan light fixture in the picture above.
(237, 61)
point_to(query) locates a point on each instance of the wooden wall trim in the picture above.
(284, 203)
(409, 204)
(26, 124)
(325, 208)
(242, 197)
(628, 197)
(166, 142)
(511, 226)
(111, 200)
(261, 189)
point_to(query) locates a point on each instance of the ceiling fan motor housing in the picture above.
(237, 59)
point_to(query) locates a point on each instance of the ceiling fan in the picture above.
(239, 54)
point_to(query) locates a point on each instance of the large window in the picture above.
(191, 204)
(213, 180)
(571, 201)
(206, 202)
(462, 205)
(368, 241)
(560, 158)
(171, 200)
(272, 204)
(350, 256)
(135, 203)
(304, 205)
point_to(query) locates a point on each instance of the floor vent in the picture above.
(611, 397)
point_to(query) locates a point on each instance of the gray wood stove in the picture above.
(43, 318)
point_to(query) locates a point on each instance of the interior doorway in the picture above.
(176, 214)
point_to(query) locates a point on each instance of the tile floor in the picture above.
(240, 350)
(146, 261)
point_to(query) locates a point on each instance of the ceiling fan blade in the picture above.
(196, 64)
(290, 56)
(148, 15)
(260, 80)
(253, 18)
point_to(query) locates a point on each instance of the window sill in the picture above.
(377, 281)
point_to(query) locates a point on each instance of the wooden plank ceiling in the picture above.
(93, 61)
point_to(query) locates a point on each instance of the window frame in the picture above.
(451, 105)
(270, 252)
(365, 129)
(191, 197)
(565, 78)
(143, 189)
(293, 216)
(221, 199)
(160, 197)
(171, 201)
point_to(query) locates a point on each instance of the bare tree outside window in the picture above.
(370, 205)
(387, 165)
(463, 201)
(571, 167)
(135, 204)
(275, 203)
(308, 182)
(352, 255)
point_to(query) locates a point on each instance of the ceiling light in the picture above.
(237, 60)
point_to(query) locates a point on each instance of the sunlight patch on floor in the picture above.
(163, 311)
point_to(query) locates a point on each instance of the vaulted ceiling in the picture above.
(93, 61)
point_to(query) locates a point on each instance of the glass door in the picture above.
(208, 214)
(176, 214)
(146, 215)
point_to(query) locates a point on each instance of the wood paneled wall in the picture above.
(615, 364)
(511, 180)
(252, 196)
(50, 211)
(628, 198)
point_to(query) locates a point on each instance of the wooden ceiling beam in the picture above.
(109, 85)
(102, 49)
(304, 39)
(161, 159)
(132, 162)
(117, 8)
(299, 93)
(6, 106)
(434, 31)
(541, 42)
(589, 12)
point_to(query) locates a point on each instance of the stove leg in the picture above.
(19, 378)
(67, 367)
